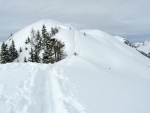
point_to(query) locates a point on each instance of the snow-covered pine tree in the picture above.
(31, 58)
(28, 39)
(54, 31)
(37, 57)
(33, 37)
(34, 57)
(13, 54)
(26, 42)
(48, 52)
(48, 57)
(38, 45)
(4, 53)
(25, 60)
(20, 49)
(44, 34)
(59, 51)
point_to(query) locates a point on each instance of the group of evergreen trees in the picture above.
(41, 42)
(8, 54)
(53, 48)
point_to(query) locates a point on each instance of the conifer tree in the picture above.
(13, 54)
(20, 49)
(38, 41)
(33, 37)
(45, 36)
(4, 53)
(37, 58)
(48, 57)
(59, 51)
(25, 60)
(26, 42)
(34, 57)
(44, 31)
(31, 59)
(28, 39)
(48, 52)
(52, 31)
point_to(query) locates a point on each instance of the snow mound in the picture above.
(106, 76)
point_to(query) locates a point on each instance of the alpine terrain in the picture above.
(143, 47)
(95, 73)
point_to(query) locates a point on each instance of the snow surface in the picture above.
(0, 45)
(107, 76)
(120, 38)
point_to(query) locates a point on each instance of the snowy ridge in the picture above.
(106, 76)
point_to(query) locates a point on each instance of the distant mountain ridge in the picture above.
(143, 47)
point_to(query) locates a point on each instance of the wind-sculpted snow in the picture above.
(104, 76)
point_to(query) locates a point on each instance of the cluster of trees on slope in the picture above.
(8, 54)
(53, 49)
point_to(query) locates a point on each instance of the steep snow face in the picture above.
(144, 47)
(107, 76)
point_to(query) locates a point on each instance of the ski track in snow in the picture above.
(47, 90)
(77, 43)
(63, 100)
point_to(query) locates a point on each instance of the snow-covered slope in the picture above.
(106, 76)
(123, 40)
(0, 45)
(144, 47)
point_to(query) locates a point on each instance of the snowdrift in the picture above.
(107, 76)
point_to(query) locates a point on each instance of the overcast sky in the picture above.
(126, 18)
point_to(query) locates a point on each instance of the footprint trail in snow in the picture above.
(44, 89)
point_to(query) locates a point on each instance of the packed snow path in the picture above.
(40, 89)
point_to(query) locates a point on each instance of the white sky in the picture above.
(127, 18)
